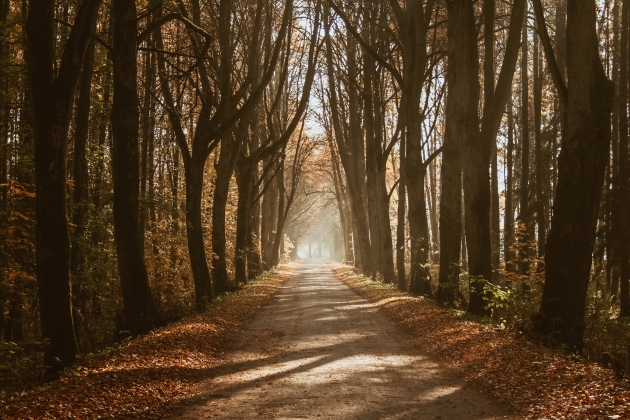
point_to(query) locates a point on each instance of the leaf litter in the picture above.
(534, 380)
(149, 375)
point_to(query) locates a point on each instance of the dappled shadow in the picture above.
(320, 350)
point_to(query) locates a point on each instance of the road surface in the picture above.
(319, 350)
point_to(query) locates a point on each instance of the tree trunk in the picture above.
(612, 272)
(102, 134)
(508, 220)
(81, 186)
(148, 127)
(52, 98)
(81, 182)
(269, 220)
(457, 124)
(4, 107)
(541, 162)
(244, 177)
(581, 169)
(622, 201)
(488, 91)
(254, 261)
(523, 217)
(224, 170)
(339, 197)
(475, 163)
(194, 234)
(372, 155)
(386, 247)
(137, 300)
(415, 171)
(401, 238)
(276, 251)
(433, 212)
(355, 169)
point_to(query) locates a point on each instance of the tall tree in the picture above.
(488, 93)
(539, 155)
(350, 146)
(508, 218)
(52, 87)
(621, 186)
(81, 181)
(476, 153)
(128, 238)
(377, 197)
(461, 117)
(523, 216)
(588, 96)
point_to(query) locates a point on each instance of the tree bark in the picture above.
(148, 137)
(508, 220)
(52, 97)
(378, 203)
(458, 117)
(137, 300)
(581, 170)
(415, 171)
(488, 91)
(279, 235)
(541, 162)
(401, 238)
(266, 220)
(254, 261)
(224, 170)
(4, 107)
(102, 133)
(81, 182)
(476, 160)
(463, 46)
(523, 217)
(244, 176)
(612, 272)
(194, 232)
(622, 200)
(269, 220)
(81, 186)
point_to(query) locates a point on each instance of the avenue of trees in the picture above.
(155, 154)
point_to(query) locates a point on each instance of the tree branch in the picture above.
(395, 73)
(558, 80)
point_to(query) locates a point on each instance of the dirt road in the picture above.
(320, 350)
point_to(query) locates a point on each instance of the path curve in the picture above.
(321, 350)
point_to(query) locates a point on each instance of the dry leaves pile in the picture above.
(151, 373)
(535, 381)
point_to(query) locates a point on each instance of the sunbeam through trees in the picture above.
(161, 157)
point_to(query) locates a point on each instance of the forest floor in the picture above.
(536, 382)
(318, 347)
(148, 376)
(321, 350)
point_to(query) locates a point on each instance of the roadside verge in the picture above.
(538, 383)
(144, 377)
